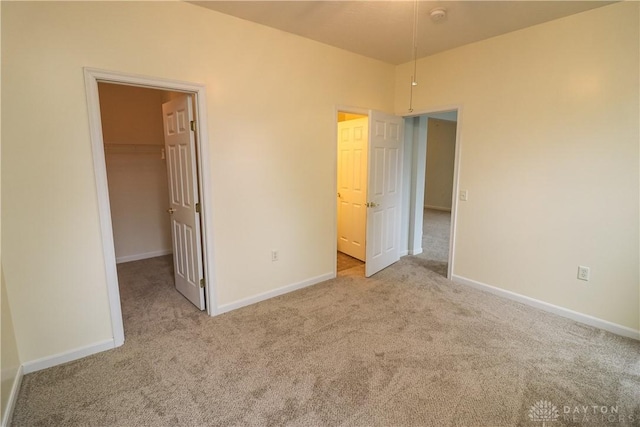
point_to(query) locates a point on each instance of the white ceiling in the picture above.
(384, 29)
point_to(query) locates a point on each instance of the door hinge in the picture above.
(202, 283)
(198, 207)
(193, 125)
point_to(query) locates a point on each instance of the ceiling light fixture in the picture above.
(414, 78)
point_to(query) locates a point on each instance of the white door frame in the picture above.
(339, 109)
(456, 176)
(92, 76)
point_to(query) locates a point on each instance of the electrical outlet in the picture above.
(275, 256)
(583, 273)
(464, 195)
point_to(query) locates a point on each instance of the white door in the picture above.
(352, 186)
(180, 150)
(384, 191)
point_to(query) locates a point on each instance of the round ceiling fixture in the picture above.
(438, 14)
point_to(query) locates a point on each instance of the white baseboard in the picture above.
(67, 356)
(274, 293)
(13, 397)
(416, 251)
(438, 208)
(138, 257)
(551, 308)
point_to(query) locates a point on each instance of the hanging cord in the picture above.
(414, 79)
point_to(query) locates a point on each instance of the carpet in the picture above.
(436, 228)
(406, 347)
(346, 262)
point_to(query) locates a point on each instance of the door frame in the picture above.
(92, 77)
(456, 177)
(337, 110)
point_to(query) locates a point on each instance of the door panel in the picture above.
(183, 197)
(384, 200)
(352, 186)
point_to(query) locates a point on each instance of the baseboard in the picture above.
(416, 251)
(438, 208)
(67, 356)
(138, 257)
(274, 293)
(13, 397)
(551, 308)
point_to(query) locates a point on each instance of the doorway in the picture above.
(93, 78)
(369, 169)
(136, 170)
(433, 202)
(352, 140)
(150, 154)
(438, 190)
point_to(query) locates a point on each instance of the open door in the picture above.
(384, 191)
(180, 149)
(352, 186)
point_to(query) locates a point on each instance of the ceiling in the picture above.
(384, 29)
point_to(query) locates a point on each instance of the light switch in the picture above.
(464, 195)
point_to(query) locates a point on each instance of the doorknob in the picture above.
(339, 195)
(372, 205)
(171, 210)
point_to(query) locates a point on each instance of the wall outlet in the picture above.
(583, 273)
(275, 256)
(464, 195)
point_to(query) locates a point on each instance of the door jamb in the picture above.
(92, 76)
(456, 176)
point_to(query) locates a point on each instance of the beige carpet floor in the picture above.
(345, 262)
(436, 227)
(404, 348)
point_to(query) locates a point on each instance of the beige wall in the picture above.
(271, 100)
(136, 172)
(441, 151)
(349, 116)
(550, 147)
(131, 115)
(9, 359)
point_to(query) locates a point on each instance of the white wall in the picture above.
(271, 116)
(416, 164)
(549, 134)
(407, 154)
(136, 172)
(441, 153)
